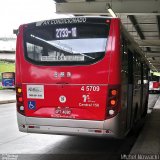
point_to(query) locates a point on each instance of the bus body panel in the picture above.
(19, 56)
(114, 127)
(89, 82)
(65, 101)
(115, 59)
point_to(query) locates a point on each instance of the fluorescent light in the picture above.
(111, 11)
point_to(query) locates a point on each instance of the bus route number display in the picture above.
(66, 32)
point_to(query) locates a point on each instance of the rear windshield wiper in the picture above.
(60, 46)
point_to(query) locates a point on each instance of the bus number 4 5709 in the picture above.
(90, 88)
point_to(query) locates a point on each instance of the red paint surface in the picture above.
(155, 84)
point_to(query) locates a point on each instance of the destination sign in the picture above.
(66, 32)
(62, 21)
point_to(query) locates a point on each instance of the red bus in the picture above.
(79, 76)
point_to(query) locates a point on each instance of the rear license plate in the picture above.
(63, 111)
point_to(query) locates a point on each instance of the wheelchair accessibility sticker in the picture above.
(32, 105)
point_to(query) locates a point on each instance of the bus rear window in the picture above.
(72, 44)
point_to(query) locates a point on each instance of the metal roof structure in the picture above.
(140, 17)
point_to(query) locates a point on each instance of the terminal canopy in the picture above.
(140, 17)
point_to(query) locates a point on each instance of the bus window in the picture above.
(62, 45)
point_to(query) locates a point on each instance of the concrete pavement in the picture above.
(28, 146)
(148, 141)
(7, 96)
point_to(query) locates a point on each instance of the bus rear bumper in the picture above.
(108, 128)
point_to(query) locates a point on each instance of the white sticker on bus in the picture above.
(62, 21)
(35, 91)
(62, 58)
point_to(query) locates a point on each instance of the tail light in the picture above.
(113, 106)
(155, 84)
(20, 102)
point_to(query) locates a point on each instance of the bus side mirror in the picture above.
(15, 31)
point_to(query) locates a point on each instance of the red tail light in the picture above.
(20, 99)
(113, 105)
(155, 84)
(20, 103)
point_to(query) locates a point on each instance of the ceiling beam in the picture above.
(138, 29)
(60, 1)
(143, 31)
(155, 63)
(148, 49)
(150, 36)
(152, 46)
(129, 7)
(158, 23)
(136, 26)
(126, 23)
(148, 42)
(152, 54)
